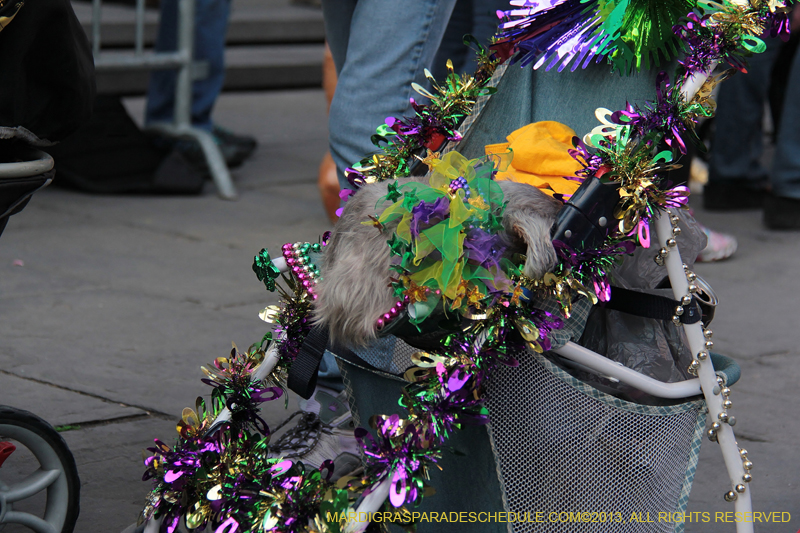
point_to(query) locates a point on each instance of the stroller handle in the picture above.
(605, 366)
(39, 163)
(708, 379)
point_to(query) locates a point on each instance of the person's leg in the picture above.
(161, 89)
(474, 17)
(736, 176)
(209, 46)
(452, 47)
(211, 22)
(338, 15)
(782, 206)
(379, 67)
(327, 180)
(785, 176)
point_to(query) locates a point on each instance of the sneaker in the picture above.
(324, 430)
(234, 149)
(720, 246)
(245, 144)
(781, 213)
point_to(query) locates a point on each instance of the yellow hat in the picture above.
(540, 157)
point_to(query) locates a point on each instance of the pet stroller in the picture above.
(46, 92)
(33, 456)
(578, 439)
(593, 421)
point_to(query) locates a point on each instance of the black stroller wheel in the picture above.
(41, 463)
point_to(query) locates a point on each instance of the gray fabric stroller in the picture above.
(572, 443)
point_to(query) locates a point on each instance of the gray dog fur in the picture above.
(355, 288)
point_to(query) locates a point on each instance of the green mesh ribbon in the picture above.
(461, 199)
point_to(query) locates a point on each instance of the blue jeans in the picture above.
(379, 48)
(211, 25)
(739, 138)
(474, 17)
(738, 141)
(785, 175)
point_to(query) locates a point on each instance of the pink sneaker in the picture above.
(720, 246)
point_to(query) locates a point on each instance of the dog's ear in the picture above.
(355, 288)
(529, 215)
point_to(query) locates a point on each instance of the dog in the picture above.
(355, 287)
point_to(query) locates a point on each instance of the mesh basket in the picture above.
(564, 447)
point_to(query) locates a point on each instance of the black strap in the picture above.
(350, 357)
(302, 377)
(651, 305)
(303, 374)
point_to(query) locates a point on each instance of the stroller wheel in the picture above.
(39, 484)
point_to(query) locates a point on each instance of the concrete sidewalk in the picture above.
(121, 299)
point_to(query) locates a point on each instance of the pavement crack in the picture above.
(102, 422)
(259, 303)
(750, 438)
(773, 354)
(161, 231)
(149, 411)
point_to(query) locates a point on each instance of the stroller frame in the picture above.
(707, 383)
(712, 386)
(56, 475)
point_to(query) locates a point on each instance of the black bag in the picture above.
(111, 155)
(46, 73)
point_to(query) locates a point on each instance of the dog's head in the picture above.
(356, 278)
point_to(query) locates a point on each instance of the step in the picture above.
(252, 22)
(247, 68)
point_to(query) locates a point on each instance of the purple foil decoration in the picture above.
(553, 32)
(355, 177)
(228, 526)
(591, 163)
(485, 249)
(706, 46)
(344, 196)
(602, 289)
(426, 214)
(545, 322)
(591, 267)
(397, 449)
(779, 26)
(643, 233)
(456, 404)
(663, 115)
(677, 197)
(422, 127)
